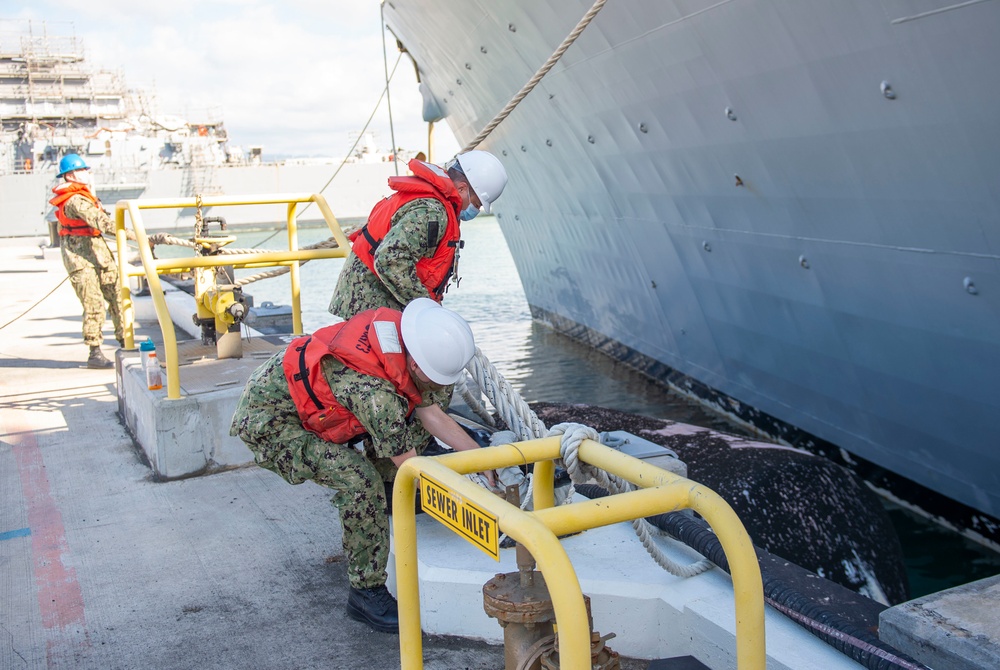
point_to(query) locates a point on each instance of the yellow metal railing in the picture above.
(152, 268)
(659, 491)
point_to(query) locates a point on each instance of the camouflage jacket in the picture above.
(265, 410)
(80, 252)
(408, 240)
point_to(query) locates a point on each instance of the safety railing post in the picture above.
(293, 274)
(156, 293)
(659, 491)
(404, 526)
(152, 268)
(125, 291)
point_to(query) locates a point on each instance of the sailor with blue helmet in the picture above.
(86, 256)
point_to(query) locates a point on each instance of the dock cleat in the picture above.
(375, 607)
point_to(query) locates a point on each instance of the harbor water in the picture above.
(545, 366)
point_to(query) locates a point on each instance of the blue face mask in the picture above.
(469, 213)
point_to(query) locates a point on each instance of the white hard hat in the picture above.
(439, 340)
(486, 175)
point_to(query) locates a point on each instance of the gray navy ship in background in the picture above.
(54, 102)
(789, 209)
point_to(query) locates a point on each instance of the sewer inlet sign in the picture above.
(464, 517)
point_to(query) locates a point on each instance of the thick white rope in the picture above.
(167, 238)
(508, 403)
(473, 397)
(525, 425)
(328, 243)
(542, 71)
(573, 435)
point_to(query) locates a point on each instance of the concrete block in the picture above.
(956, 629)
(182, 437)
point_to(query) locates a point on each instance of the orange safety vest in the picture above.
(369, 343)
(67, 226)
(429, 181)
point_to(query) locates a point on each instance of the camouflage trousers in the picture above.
(360, 484)
(97, 287)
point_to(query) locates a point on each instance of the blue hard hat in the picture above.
(71, 162)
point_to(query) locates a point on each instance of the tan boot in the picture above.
(97, 361)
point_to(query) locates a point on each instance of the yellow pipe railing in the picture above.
(152, 268)
(659, 491)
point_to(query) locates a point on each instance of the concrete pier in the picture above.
(189, 435)
(957, 629)
(103, 568)
(114, 555)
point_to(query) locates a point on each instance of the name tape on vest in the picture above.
(464, 517)
(388, 337)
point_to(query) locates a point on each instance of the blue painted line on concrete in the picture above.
(11, 534)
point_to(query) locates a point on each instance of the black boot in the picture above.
(97, 361)
(375, 607)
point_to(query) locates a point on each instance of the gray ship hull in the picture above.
(789, 208)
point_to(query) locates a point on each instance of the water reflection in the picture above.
(539, 363)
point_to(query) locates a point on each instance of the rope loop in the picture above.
(573, 435)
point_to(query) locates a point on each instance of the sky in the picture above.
(297, 77)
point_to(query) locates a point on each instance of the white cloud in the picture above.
(297, 76)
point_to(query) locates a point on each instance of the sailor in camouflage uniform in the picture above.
(344, 408)
(86, 256)
(409, 247)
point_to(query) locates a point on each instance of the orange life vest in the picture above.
(369, 343)
(428, 181)
(68, 226)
